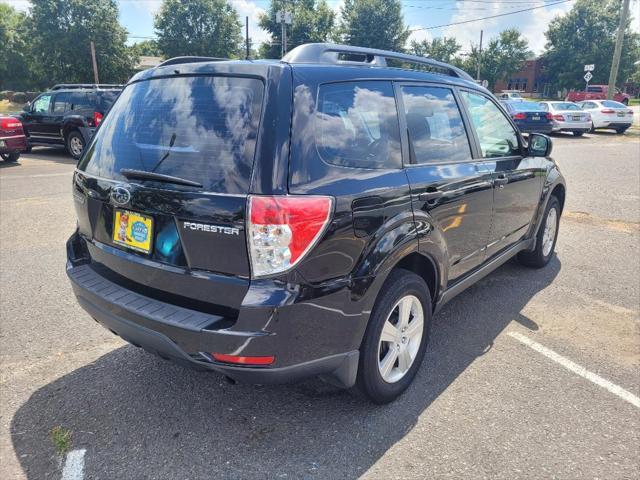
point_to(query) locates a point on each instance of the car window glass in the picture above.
(357, 125)
(435, 126)
(497, 136)
(612, 104)
(544, 107)
(61, 103)
(80, 101)
(41, 105)
(526, 107)
(566, 106)
(594, 89)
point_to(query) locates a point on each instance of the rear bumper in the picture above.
(614, 124)
(535, 128)
(12, 144)
(571, 126)
(189, 337)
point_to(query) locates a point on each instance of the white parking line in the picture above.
(40, 175)
(74, 465)
(577, 369)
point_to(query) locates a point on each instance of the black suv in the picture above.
(67, 115)
(274, 220)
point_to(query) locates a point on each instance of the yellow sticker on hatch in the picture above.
(132, 230)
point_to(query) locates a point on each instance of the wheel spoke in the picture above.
(389, 332)
(414, 329)
(404, 359)
(404, 309)
(388, 362)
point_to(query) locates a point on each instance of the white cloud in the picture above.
(247, 8)
(21, 5)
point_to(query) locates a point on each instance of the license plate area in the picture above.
(621, 114)
(535, 117)
(576, 118)
(132, 230)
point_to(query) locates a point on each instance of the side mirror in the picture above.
(539, 145)
(26, 107)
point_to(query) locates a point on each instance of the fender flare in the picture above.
(553, 179)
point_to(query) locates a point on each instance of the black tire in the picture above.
(537, 258)
(578, 134)
(370, 383)
(11, 157)
(75, 144)
(593, 128)
(625, 102)
(620, 131)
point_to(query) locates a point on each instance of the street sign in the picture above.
(589, 68)
(283, 17)
(588, 77)
(485, 83)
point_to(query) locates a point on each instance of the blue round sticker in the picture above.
(139, 231)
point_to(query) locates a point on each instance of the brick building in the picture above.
(530, 80)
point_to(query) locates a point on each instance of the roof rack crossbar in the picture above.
(70, 86)
(350, 55)
(179, 60)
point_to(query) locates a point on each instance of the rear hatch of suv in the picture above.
(161, 192)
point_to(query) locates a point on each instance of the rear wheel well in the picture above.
(559, 193)
(425, 268)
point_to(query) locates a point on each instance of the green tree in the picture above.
(442, 49)
(60, 36)
(198, 27)
(587, 35)
(373, 24)
(146, 47)
(502, 57)
(14, 62)
(313, 21)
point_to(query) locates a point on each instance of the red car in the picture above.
(597, 92)
(12, 138)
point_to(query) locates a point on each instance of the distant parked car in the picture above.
(607, 114)
(12, 138)
(67, 115)
(511, 95)
(530, 117)
(568, 117)
(597, 92)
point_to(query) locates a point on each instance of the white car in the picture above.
(608, 114)
(513, 95)
(568, 117)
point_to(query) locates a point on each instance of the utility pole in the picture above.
(284, 18)
(246, 28)
(479, 57)
(95, 64)
(617, 53)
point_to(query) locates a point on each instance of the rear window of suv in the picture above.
(199, 128)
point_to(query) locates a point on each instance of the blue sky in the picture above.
(137, 17)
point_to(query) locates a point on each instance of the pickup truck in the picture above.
(597, 92)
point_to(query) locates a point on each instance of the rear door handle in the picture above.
(430, 196)
(501, 180)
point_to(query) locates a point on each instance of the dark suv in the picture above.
(275, 220)
(67, 115)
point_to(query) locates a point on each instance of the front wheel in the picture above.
(593, 128)
(10, 157)
(578, 134)
(396, 338)
(75, 144)
(620, 131)
(545, 239)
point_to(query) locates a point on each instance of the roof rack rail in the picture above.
(350, 55)
(71, 86)
(179, 60)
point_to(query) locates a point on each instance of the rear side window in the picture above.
(81, 101)
(61, 103)
(200, 128)
(434, 122)
(612, 104)
(106, 99)
(357, 125)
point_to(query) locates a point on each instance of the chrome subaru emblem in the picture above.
(120, 195)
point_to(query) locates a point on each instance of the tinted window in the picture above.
(497, 136)
(81, 101)
(106, 99)
(41, 105)
(436, 130)
(612, 104)
(594, 89)
(61, 103)
(526, 107)
(357, 125)
(198, 128)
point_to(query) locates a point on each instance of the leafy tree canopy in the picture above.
(313, 21)
(207, 28)
(146, 47)
(60, 32)
(442, 49)
(373, 24)
(13, 38)
(587, 35)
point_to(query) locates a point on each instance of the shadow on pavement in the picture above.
(141, 417)
(53, 154)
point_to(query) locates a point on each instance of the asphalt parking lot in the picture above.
(488, 403)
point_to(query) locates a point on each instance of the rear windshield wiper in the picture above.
(159, 177)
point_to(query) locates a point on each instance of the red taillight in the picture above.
(629, 112)
(7, 123)
(239, 360)
(97, 118)
(608, 111)
(560, 118)
(519, 116)
(549, 116)
(283, 228)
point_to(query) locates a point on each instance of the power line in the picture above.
(489, 17)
